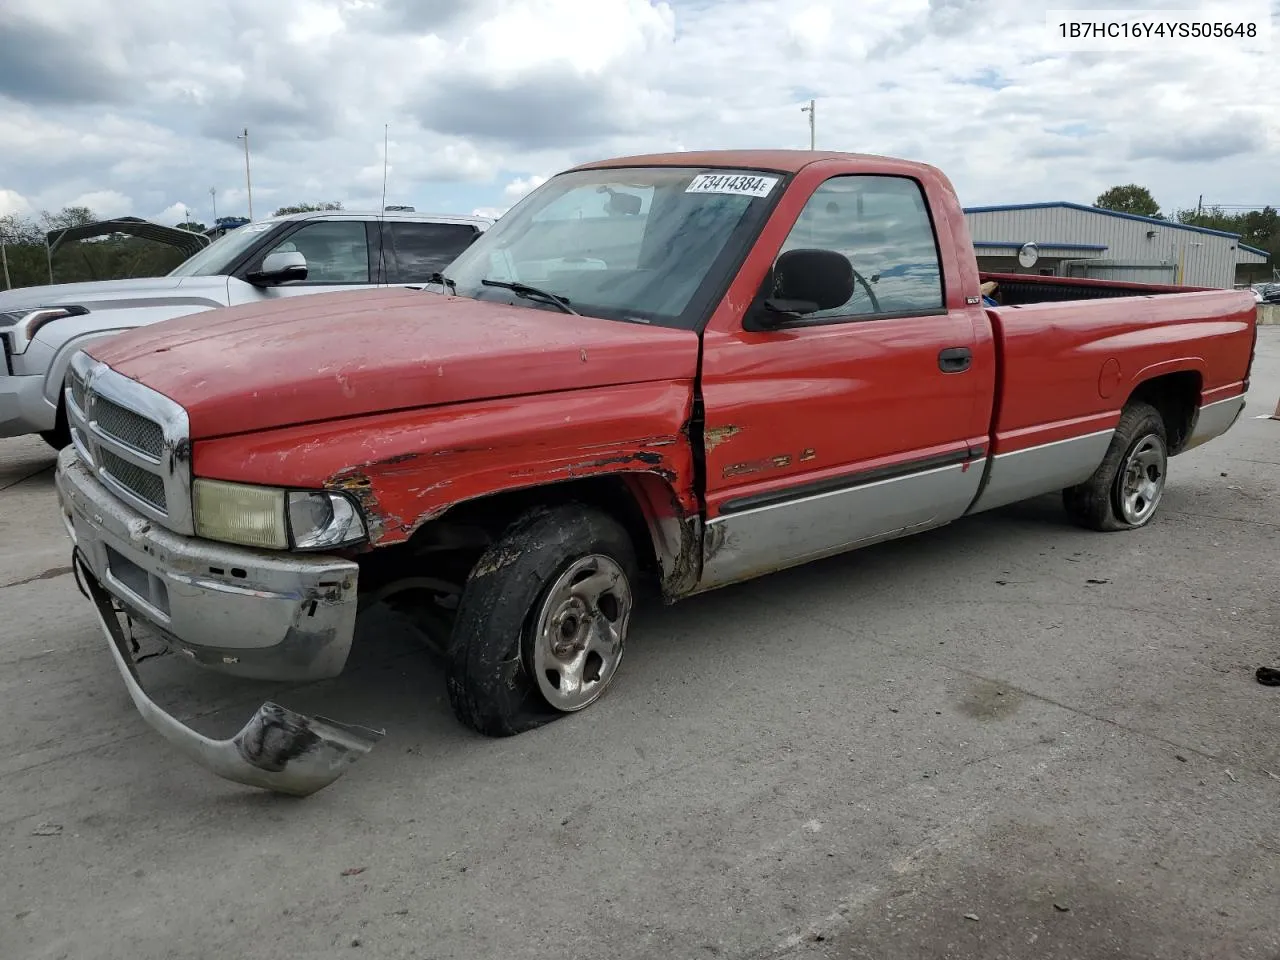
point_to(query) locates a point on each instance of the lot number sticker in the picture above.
(745, 186)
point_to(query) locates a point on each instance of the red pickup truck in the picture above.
(671, 372)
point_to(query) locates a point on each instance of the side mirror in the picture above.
(277, 268)
(803, 281)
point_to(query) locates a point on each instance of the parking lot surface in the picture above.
(1006, 738)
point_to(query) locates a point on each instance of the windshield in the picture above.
(624, 244)
(216, 259)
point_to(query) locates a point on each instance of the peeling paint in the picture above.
(714, 436)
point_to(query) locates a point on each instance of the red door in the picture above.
(859, 423)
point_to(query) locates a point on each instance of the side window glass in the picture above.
(417, 250)
(337, 251)
(881, 224)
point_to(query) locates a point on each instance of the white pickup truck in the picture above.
(289, 256)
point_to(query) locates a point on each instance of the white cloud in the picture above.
(147, 98)
(12, 202)
(522, 186)
(105, 203)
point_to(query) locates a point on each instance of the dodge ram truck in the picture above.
(656, 376)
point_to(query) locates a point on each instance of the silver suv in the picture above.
(290, 256)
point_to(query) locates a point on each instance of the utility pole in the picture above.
(811, 110)
(213, 197)
(248, 183)
(385, 133)
(4, 258)
(1199, 204)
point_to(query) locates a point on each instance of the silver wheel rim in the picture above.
(580, 632)
(1142, 480)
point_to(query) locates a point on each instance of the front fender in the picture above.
(408, 467)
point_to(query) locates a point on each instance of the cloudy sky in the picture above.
(134, 107)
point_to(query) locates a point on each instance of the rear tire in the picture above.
(543, 619)
(1125, 491)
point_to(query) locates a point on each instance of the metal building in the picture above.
(1074, 240)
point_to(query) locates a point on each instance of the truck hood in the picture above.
(353, 353)
(120, 294)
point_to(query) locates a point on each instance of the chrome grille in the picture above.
(77, 389)
(137, 480)
(135, 440)
(131, 429)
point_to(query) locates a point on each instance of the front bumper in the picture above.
(23, 407)
(274, 617)
(250, 613)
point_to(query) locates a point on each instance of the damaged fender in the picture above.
(278, 749)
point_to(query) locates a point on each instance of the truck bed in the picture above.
(1068, 364)
(1018, 289)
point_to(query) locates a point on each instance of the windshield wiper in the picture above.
(532, 293)
(444, 281)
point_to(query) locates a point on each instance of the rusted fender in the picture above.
(278, 749)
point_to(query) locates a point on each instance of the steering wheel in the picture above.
(875, 304)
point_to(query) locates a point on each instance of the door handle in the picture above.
(955, 359)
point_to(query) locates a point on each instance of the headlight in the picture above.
(323, 520)
(272, 518)
(21, 325)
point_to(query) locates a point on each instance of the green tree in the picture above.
(1129, 198)
(308, 208)
(192, 225)
(67, 217)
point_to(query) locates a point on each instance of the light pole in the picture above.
(248, 183)
(213, 198)
(811, 110)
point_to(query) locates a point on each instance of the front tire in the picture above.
(1126, 489)
(543, 620)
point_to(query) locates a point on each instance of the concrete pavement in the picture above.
(1055, 732)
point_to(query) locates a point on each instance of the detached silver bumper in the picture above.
(289, 618)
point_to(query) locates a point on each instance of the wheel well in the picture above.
(1177, 397)
(457, 538)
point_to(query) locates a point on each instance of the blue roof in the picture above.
(1261, 253)
(1046, 243)
(1107, 213)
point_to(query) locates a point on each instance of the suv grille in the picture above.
(131, 429)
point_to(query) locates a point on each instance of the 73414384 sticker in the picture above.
(741, 184)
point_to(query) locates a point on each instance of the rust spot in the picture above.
(715, 436)
(401, 458)
(807, 454)
(360, 487)
(640, 456)
(783, 460)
